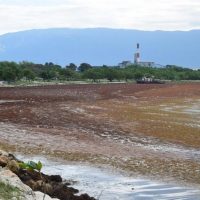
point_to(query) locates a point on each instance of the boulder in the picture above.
(26, 193)
(3, 161)
(13, 166)
(30, 181)
(56, 178)
(42, 196)
(3, 153)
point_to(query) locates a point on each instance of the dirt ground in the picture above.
(151, 130)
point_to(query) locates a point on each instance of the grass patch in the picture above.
(8, 192)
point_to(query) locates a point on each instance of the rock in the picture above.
(8, 177)
(3, 161)
(26, 193)
(12, 157)
(41, 196)
(56, 178)
(86, 197)
(47, 188)
(13, 166)
(38, 184)
(31, 184)
(24, 176)
(28, 181)
(3, 153)
(71, 189)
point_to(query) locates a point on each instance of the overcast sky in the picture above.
(18, 15)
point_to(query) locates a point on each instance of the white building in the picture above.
(137, 60)
(141, 63)
(146, 64)
(125, 64)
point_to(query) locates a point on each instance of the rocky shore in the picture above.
(22, 184)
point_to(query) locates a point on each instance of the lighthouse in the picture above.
(137, 54)
(137, 60)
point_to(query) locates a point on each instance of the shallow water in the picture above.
(109, 185)
(10, 101)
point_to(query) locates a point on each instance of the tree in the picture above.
(84, 66)
(10, 71)
(49, 64)
(49, 75)
(9, 74)
(128, 74)
(67, 74)
(138, 75)
(93, 74)
(110, 74)
(71, 66)
(28, 74)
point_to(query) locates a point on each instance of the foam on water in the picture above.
(108, 185)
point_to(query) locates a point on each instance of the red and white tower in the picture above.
(137, 54)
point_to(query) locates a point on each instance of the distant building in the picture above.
(141, 63)
(125, 64)
(146, 64)
(137, 61)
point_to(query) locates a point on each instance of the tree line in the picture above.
(12, 71)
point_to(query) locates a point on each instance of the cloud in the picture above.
(18, 15)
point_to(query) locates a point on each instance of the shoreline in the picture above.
(107, 182)
(53, 186)
(143, 129)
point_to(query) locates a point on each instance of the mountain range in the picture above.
(99, 46)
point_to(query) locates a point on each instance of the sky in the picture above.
(17, 15)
